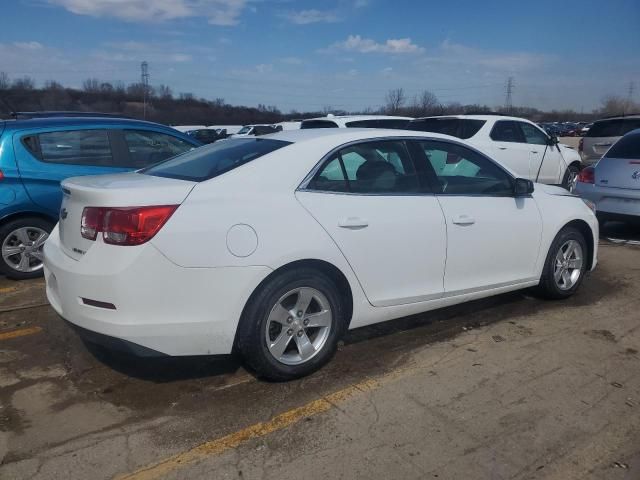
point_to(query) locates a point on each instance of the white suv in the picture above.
(518, 144)
(357, 121)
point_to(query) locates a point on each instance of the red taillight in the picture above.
(581, 145)
(125, 226)
(587, 175)
(1, 175)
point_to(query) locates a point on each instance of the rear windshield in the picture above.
(626, 147)
(456, 127)
(318, 124)
(396, 123)
(614, 127)
(208, 162)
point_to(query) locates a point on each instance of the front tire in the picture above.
(292, 325)
(565, 265)
(21, 243)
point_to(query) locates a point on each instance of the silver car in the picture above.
(604, 133)
(613, 183)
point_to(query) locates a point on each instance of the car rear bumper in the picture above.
(144, 302)
(617, 201)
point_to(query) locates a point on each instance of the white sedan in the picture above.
(275, 246)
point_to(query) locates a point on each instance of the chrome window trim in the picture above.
(303, 187)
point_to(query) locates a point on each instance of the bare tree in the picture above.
(5, 82)
(91, 85)
(614, 105)
(164, 92)
(24, 83)
(394, 100)
(53, 85)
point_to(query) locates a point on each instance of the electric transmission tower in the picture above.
(632, 87)
(508, 100)
(144, 80)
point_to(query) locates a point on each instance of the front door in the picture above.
(493, 238)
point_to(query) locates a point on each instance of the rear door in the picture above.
(545, 162)
(508, 146)
(46, 157)
(369, 199)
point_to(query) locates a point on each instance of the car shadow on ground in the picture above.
(618, 232)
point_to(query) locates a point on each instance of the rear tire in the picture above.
(570, 177)
(565, 265)
(277, 339)
(21, 244)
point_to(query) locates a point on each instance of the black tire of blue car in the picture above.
(31, 226)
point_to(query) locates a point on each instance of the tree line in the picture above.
(160, 104)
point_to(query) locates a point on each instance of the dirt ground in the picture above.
(509, 387)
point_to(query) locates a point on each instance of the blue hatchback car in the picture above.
(37, 154)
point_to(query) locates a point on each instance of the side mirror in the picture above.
(553, 140)
(523, 187)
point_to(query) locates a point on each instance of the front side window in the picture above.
(383, 167)
(147, 147)
(212, 160)
(533, 135)
(461, 171)
(71, 147)
(506, 131)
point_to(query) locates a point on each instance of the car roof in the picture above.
(345, 135)
(621, 117)
(77, 121)
(359, 117)
(476, 117)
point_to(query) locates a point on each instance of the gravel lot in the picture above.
(508, 387)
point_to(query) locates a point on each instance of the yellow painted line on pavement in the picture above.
(233, 440)
(8, 289)
(19, 333)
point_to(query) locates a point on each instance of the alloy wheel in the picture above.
(567, 266)
(22, 249)
(298, 326)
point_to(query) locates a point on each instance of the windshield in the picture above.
(208, 162)
(244, 130)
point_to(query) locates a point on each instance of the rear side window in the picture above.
(393, 123)
(210, 161)
(613, 128)
(382, 167)
(318, 124)
(626, 147)
(147, 147)
(71, 147)
(456, 127)
(506, 131)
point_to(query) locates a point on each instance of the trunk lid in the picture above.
(618, 173)
(119, 190)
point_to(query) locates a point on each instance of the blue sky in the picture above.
(344, 54)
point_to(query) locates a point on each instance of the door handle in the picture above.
(534, 151)
(602, 144)
(502, 148)
(354, 223)
(463, 220)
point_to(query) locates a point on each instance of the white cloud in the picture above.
(29, 45)
(495, 61)
(264, 68)
(292, 60)
(217, 12)
(356, 43)
(305, 17)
